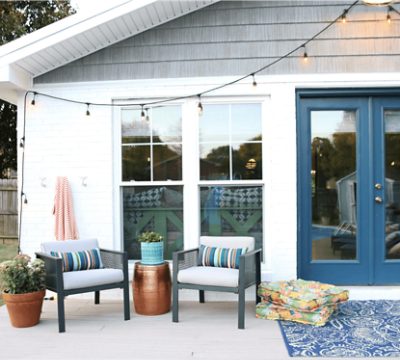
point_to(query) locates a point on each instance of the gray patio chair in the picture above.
(189, 274)
(112, 274)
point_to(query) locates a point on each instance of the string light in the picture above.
(22, 142)
(200, 106)
(305, 55)
(142, 114)
(147, 118)
(33, 102)
(254, 80)
(87, 109)
(388, 17)
(343, 17)
(23, 195)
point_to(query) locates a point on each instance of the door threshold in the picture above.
(373, 292)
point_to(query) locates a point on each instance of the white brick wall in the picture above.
(61, 140)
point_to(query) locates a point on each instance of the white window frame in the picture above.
(191, 167)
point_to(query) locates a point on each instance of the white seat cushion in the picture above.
(230, 242)
(69, 245)
(93, 277)
(209, 275)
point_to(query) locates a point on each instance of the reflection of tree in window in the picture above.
(246, 161)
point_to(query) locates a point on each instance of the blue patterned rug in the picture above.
(357, 329)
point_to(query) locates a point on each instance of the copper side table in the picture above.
(152, 289)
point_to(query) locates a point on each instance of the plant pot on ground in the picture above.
(22, 283)
(152, 248)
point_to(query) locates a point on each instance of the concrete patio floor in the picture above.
(205, 331)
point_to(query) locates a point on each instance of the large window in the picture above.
(230, 142)
(230, 139)
(222, 183)
(152, 147)
(151, 150)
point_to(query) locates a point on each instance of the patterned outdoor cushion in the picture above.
(276, 312)
(301, 294)
(220, 257)
(79, 260)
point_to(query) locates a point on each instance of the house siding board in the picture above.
(234, 38)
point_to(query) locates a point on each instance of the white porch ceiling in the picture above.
(76, 36)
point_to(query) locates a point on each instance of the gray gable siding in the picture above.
(238, 37)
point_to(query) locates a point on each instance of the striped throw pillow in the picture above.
(220, 257)
(79, 260)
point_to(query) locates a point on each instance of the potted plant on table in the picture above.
(152, 248)
(22, 283)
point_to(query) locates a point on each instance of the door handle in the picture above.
(378, 199)
(378, 186)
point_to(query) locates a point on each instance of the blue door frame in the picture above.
(370, 265)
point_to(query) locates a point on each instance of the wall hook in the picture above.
(43, 182)
(84, 180)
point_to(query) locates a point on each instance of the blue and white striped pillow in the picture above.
(220, 257)
(79, 260)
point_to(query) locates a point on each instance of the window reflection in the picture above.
(334, 185)
(159, 155)
(392, 183)
(242, 128)
(133, 128)
(232, 211)
(167, 163)
(136, 163)
(231, 142)
(153, 208)
(214, 162)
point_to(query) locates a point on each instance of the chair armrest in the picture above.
(113, 259)
(54, 274)
(184, 259)
(250, 268)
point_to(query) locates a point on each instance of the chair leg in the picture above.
(241, 308)
(201, 296)
(175, 303)
(61, 313)
(97, 297)
(127, 308)
(258, 277)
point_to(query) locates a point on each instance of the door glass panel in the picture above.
(333, 185)
(392, 183)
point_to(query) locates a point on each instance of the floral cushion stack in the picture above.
(307, 302)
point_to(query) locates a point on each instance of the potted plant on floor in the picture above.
(152, 248)
(22, 283)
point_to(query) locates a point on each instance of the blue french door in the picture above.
(349, 188)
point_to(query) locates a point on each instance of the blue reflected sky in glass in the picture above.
(326, 123)
(214, 123)
(246, 122)
(167, 124)
(133, 128)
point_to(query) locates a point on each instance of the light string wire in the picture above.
(22, 193)
(158, 102)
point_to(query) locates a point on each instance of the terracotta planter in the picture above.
(24, 309)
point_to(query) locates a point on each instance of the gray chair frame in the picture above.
(249, 274)
(55, 282)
